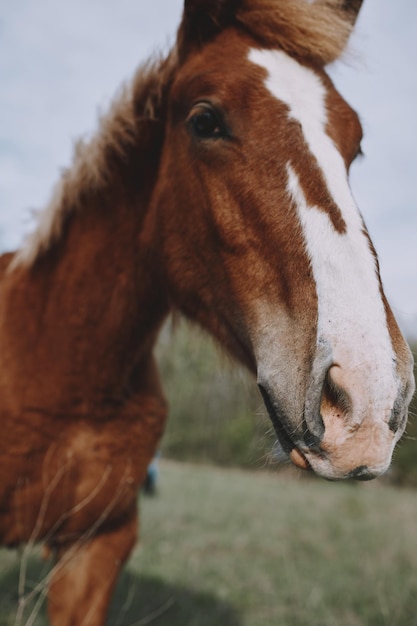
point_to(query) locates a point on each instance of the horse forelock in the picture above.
(318, 30)
(314, 31)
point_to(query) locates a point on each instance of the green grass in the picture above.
(234, 548)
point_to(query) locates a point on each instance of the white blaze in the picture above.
(351, 314)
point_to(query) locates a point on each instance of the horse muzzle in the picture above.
(347, 428)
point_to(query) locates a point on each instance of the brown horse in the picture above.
(216, 186)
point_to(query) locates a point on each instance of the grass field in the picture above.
(234, 548)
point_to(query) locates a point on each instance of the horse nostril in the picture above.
(334, 399)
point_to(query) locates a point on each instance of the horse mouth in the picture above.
(285, 440)
(296, 456)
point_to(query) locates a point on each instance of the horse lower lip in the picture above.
(299, 459)
(296, 456)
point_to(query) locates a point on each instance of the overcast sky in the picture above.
(61, 63)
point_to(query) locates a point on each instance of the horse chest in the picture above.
(67, 483)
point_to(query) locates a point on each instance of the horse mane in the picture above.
(310, 30)
(128, 126)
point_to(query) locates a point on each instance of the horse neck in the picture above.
(110, 267)
(81, 305)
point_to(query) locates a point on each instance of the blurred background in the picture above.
(61, 64)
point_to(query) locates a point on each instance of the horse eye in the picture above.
(205, 123)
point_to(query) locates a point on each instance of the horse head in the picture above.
(262, 242)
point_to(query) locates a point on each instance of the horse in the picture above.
(217, 187)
